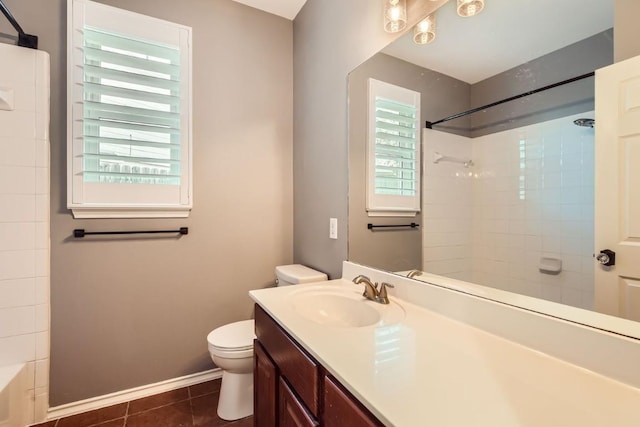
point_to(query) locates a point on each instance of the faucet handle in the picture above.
(382, 293)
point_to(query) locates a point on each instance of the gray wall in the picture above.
(136, 311)
(571, 61)
(398, 249)
(331, 38)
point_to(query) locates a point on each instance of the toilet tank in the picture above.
(297, 273)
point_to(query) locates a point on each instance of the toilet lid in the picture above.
(234, 336)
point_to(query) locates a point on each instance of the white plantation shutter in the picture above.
(393, 184)
(129, 108)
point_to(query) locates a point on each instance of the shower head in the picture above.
(587, 123)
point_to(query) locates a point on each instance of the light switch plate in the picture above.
(333, 228)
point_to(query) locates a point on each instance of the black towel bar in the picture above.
(79, 232)
(412, 225)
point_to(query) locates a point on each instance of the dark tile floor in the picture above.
(194, 406)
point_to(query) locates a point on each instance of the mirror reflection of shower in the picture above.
(529, 199)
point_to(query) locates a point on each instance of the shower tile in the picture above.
(24, 96)
(41, 180)
(518, 227)
(41, 239)
(17, 349)
(17, 321)
(551, 292)
(17, 124)
(17, 264)
(551, 228)
(41, 154)
(42, 373)
(42, 262)
(42, 125)
(572, 297)
(572, 263)
(42, 290)
(17, 180)
(552, 164)
(16, 151)
(17, 236)
(42, 345)
(17, 292)
(41, 317)
(17, 208)
(41, 210)
(552, 196)
(552, 180)
(572, 162)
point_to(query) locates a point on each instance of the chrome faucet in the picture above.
(371, 290)
(414, 273)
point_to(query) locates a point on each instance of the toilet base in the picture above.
(236, 396)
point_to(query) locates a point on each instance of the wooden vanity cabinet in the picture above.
(293, 389)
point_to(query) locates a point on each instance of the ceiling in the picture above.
(506, 34)
(285, 8)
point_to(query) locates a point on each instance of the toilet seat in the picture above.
(233, 340)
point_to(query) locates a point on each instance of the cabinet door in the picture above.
(265, 383)
(299, 369)
(341, 409)
(292, 412)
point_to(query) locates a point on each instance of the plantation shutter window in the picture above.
(129, 151)
(393, 150)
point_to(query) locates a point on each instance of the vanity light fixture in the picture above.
(467, 8)
(395, 15)
(425, 31)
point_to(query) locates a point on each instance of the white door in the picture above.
(617, 188)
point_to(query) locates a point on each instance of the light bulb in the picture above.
(425, 31)
(395, 15)
(467, 8)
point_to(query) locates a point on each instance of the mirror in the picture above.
(507, 192)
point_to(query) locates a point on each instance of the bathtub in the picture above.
(13, 395)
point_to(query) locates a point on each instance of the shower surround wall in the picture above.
(24, 220)
(531, 197)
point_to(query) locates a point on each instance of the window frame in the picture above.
(106, 200)
(384, 204)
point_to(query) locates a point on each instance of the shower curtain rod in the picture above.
(429, 125)
(24, 39)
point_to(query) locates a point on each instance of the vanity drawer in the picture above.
(300, 370)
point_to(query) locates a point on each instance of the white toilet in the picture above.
(231, 348)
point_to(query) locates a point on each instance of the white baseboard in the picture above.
(131, 394)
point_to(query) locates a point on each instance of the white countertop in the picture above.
(431, 370)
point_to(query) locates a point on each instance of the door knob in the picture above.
(606, 257)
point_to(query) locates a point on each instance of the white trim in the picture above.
(392, 213)
(150, 212)
(131, 394)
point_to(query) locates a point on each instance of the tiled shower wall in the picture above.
(447, 202)
(24, 219)
(533, 198)
(529, 195)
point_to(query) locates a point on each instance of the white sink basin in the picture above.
(347, 308)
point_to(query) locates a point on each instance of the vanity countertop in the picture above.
(428, 369)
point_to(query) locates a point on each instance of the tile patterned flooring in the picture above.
(193, 406)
